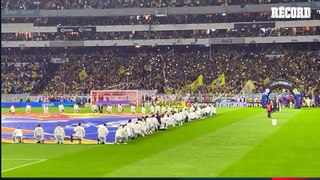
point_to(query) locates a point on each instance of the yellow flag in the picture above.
(83, 74)
(248, 87)
(121, 70)
(198, 82)
(266, 81)
(219, 81)
(193, 86)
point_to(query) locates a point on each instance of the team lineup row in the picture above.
(95, 109)
(133, 129)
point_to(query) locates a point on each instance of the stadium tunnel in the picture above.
(282, 84)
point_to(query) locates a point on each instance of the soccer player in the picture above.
(170, 120)
(76, 108)
(94, 108)
(192, 108)
(59, 134)
(207, 110)
(109, 109)
(17, 135)
(38, 134)
(169, 109)
(46, 109)
(198, 112)
(163, 125)
(102, 134)
(120, 109)
(28, 108)
(185, 108)
(80, 133)
(129, 129)
(156, 123)
(143, 127)
(151, 109)
(61, 108)
(133, 109)
(163, 109)
(120, 135)
(308, 102)
(143, 110)
(157, 109)
(214, 109)
(12, 109)
(177, 118)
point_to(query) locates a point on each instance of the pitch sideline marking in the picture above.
(28, 164)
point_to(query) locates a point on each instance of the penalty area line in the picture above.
(28, 164)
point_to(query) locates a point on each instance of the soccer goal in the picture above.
(115, 97)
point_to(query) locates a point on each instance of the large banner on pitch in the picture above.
(35, 104)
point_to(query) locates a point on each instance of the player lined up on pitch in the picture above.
(158, 119)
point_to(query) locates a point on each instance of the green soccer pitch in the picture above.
(238, 142)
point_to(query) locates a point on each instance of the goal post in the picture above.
(115, 97)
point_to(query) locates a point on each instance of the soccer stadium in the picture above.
(160, 88)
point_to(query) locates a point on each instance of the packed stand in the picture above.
(21, 74)
(173, 67)
(150, 19)
(107, 4)
(132, 35)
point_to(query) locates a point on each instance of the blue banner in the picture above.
(35, 104)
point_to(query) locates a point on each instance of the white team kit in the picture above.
(17, 135)
(79, 133)
(46, 109)
(133, 109)
(129, 129)
(158, 109)
(12, 110)
(120, 136)
(59, 134)
(109, 109)
(28, 108)
(38, 134)
(143, 110)
(163, 109)
(120, 109)
(61, 108)
(102, 134)
(76, 108)
(94, 108)
(151, 109)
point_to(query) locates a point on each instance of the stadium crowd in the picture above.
(268, 32)
(106, 4)
(22, 74)
(159, 68)
(148, 19)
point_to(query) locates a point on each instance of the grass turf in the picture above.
(238, 142)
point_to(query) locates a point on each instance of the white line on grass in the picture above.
(22, 159)
(38, 161)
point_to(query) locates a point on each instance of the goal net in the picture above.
(115, 97)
